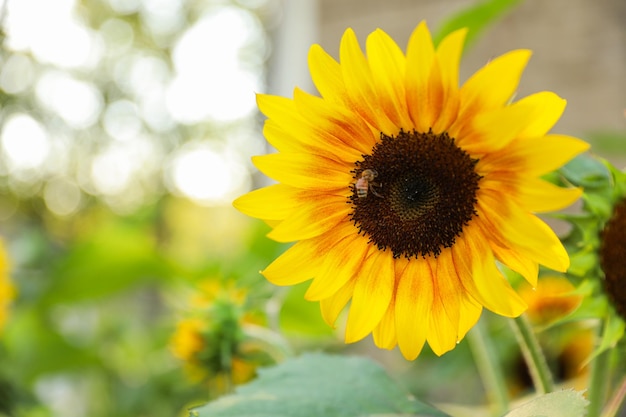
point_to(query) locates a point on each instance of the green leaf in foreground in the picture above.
(316, 385)
(475, 18)
(566, 403)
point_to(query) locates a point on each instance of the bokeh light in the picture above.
(154, 74)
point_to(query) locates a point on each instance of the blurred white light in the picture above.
(51, 31)
(224, 99)
(64, 394)
(154, 112)
(79, 103)
(163, 18)
(118, 35)
(121, 120)
(62, 196)
(111, 171)
(210, 80)
(125, 6)
(208, 176)
(17, 74)
(147, 73)
(24, 141)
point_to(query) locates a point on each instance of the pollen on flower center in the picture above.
(422, 196)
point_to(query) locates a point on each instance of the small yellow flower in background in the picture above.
(554, 298)
(402, 189)
(7, 290)
(211, 341)
(211, 290)
(568, 346)
(187, 341)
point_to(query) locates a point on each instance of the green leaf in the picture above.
(567, 403)
(586, 171)
(302, 317)
(476, 18)
(612, 332)
(316, 385)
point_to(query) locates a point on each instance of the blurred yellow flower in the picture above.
(211, 341)
(7, 290)
(187, 341)
(553, 298)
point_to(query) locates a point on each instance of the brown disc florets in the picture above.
(420, 194)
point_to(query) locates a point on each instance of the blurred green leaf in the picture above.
(316, 385)
(300, 316)
(24, 339)
(114, 257)
(566, 403)
(608, 142)
(476, 18)
(612, 332)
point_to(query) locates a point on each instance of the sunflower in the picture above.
(613, 257)
(402, 189)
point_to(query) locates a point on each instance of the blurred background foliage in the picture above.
(126, 129)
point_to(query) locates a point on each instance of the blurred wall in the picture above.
(579, 47)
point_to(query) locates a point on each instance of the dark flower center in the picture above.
(414, 193)
(613, 258)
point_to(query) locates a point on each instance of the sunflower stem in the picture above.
(598, 383)
(615, 403)
(489, 368)
(533, 355)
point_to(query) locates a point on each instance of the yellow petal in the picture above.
(538, 156)
(326, 75)
(295, 265)
(372, 295)
(280, 138)
(495, 129)
(445, 315)
(359, 84)
(275, 107)
(524, 231)
(448, 58)
(308, 124)
(526, 267)
(285, 127)
(494, 84)
(540, 196)
(385, 333)
(548, 109)
(482, 279)
(274, 202)
(414, 298)
(420, 58)
(340, 132)
(387, 64)
(343, 261)
(333, 305)
(313, 219)
(448, 287)
(305, 170)
(470, 311)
